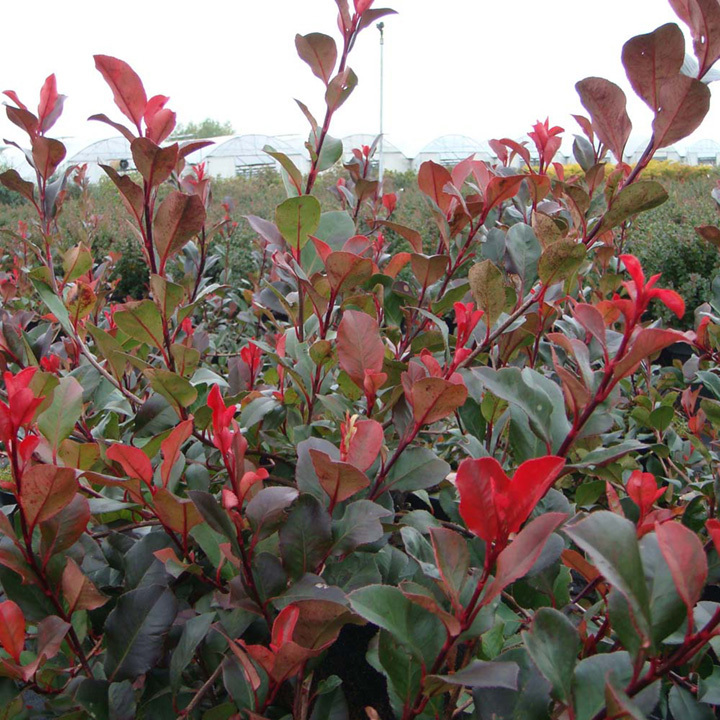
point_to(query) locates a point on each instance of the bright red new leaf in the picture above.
(493, 505)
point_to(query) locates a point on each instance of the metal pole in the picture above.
(381, 165)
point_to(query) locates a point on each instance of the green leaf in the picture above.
(611, 543)
(523, 252)
(335, 228)
(330, 152)
(359, 524)
(683, 705)
(297, 218)
(590, 677)
(142, 322)
(560, 261)
(109, 348)
(58, 421)
(177, 390)
(554, 644)
(418, 468)
(136, 629)
(410, 624)
(632, 199)
(76, 262)
(121, 701)
(305, 537)
(485, 675)
(287, 164)
(194, 632)
(54, 304)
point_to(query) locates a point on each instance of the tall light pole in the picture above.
(381, 165)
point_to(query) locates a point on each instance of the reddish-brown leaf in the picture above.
(365, 444)
(432, 178)
(703, 19)
(518, 557)
(412, 236)
(179, 514)
(339, 480)
(153, 162)
(46, 490)
(434, 398)
(171, 445)
(684, 553)
(501, 188)
(346, 270)
(606, 102)
(430, 269)
(359, 345)
(128, 91)
(78, 590)
(47, 155)
(653, 59)
(683, 103)
(132, 194)
(12, 629)
(319, 52)
(134, 461)
(179, 218)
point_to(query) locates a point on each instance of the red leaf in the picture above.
(685, 556)
(653, 59)
(479, 481)
(713, 527)
(12, 629)
(605, 102)
(170, 447)
(284, 626)
(432, 178)
(643, 490)
(50, 105)
(359, 345)
(134, 461)
(531, 481)
(128, 91)
(516, 560)
(647, 342)
(46, 490)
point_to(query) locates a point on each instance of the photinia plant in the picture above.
(392, 472)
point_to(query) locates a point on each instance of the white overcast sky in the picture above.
(483, 68)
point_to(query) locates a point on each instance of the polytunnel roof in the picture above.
(460, 145)
(249, 148)
(114, 148)
(357, 140)
(711, 147)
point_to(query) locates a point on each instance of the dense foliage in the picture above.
(386, 471)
